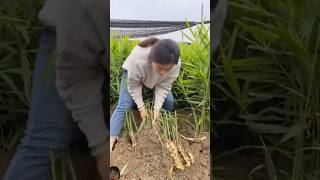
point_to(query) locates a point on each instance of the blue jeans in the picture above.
(125, 103)
(49, 126)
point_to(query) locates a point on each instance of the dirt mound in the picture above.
(148, 160)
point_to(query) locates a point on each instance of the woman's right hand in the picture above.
(143, 113)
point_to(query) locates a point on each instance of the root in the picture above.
(191, 157)
(170, 173)
(193, 139)
(174, 154)
(186, 158)
(159, 137)
(133, 140)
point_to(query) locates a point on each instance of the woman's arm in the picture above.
(135, 86)
(79, 71)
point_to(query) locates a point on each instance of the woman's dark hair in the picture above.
(148, 42)
(165, 51)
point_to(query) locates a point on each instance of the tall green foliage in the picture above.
(267, 73)
(120, 48)
(19, 36)
(194, 80)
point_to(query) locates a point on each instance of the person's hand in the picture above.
(155, 117)
(143, 113)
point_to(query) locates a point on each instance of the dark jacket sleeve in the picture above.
(218, 16)
(81, 50)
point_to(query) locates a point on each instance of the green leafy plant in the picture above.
(129, 129)
(265, 78)
(194, 79)
(120, 48)
(19, 36)
(61, 166)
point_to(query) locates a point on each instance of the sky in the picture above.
(166, 10)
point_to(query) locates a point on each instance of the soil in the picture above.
(148, 160)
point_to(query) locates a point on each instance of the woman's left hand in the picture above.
(155, 116)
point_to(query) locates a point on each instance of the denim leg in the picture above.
(168, 102)
(49, 126)
(125, 103)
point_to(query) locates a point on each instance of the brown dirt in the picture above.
(148, 160)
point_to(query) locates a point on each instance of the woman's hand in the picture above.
(143, 113)
(155, 117)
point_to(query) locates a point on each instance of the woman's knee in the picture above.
(170, 99)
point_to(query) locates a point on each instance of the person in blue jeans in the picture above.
(154, 64)
(68, 100)
(50, 125)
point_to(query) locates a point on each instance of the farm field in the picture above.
(145, 151)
